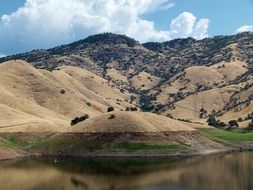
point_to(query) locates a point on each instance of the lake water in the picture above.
(216, 172)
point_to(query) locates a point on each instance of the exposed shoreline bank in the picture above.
(10, 155)
(115, 145)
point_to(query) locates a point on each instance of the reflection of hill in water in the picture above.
(231, 171)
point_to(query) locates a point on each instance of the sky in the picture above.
(38, 24)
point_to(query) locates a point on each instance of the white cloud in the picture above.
(246, 28)
(186, 24)
(46, 23)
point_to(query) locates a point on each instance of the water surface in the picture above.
(217, 172)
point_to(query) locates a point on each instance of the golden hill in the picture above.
(176, 78)
(131, 122)
(37, 100)
(51, 99)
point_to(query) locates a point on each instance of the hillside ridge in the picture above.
(170, 78)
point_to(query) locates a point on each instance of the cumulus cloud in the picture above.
(46, 23)
(186, 24)
(246, 28)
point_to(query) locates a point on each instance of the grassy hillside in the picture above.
(169, 78)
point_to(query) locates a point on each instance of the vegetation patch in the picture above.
(13, 142)
(131, 146)
(66, 143)
(220, 135)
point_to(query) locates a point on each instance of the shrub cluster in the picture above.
(212, 121)
(131, 109)
(79, 119)
(112, 116)
(110, 109)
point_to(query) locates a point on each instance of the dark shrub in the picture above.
(250, 126)
(233, 123)
(79, 119)
(131, 109)
(112, 116)
(110, 109)
(211, 121)
(134, 109)
(84, 117)
(88, 104)
(215, 123)
(62, 91)
(169, 116)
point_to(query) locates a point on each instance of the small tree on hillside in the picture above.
(233, 123)
(212, 121)
(240, 119)
(79, 119)
(250, 126)
(112, 116)
(110, 109)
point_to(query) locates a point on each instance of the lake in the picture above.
(217, 172)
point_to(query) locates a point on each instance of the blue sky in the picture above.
(225, 15)
(47, 23)
(7, 7)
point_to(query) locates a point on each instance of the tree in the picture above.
(110, 109)
(250, 125)
(79, 119)
(84, 117)
(233, 123)
(62, 91)
(212, 121)
(134, 109)
(112, 116)
(131, 109)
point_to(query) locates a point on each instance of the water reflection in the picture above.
(229, 171)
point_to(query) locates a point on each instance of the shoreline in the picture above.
(109, 145)
(174, 155)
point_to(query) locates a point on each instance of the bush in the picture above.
(110, 109)
(215, 123)
(169, 116)
(250, 126)
(88, 104)
(112, 116)
(211, 120)
(233, 123)
(79, 119)
(240, 120)
(62, 91)
(131, 109)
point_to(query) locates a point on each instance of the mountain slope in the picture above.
(36, 100)
(30, 95)
(172, 78)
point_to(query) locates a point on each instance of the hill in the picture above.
(39, 100)
(52, 99)
(132, 122)
(170, 78)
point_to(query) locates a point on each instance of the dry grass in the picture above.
(32, 99)
(131, 122)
